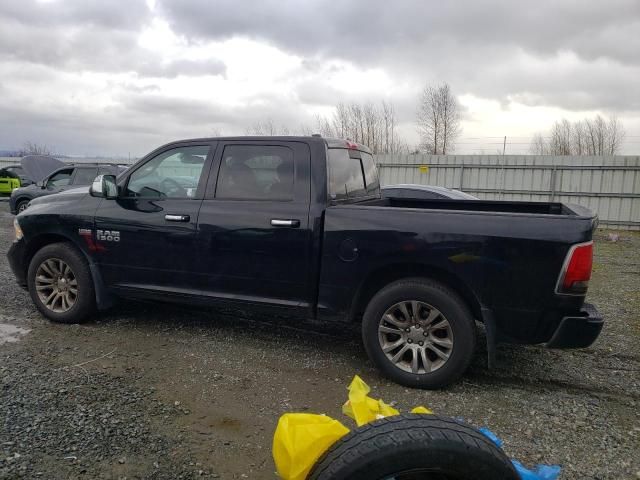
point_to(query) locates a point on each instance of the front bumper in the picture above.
(16, 257)
(12, 205)
(578, 331)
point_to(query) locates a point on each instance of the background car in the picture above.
(425, 192)
(25, 180)
(8, 181)
(64, 177)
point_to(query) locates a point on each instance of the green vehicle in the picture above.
(8, 181)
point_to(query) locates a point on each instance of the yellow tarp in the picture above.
(301, 438)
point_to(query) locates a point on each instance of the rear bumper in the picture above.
(578, 331)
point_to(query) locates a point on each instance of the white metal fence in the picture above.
(609, 186)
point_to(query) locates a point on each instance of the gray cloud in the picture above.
(71, 13)
(96, 36)
(575, 55)
(462, 42)
(355, 29)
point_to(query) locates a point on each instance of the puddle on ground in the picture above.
(10, 333)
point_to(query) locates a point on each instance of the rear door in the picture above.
(146, 239)
(253, 227)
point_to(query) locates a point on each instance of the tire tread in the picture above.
(392, 433)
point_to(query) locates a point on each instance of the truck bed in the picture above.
(508, 254)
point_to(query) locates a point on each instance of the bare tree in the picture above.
(560, 141)
(267, 128)
(615, 135)
(591, 136)
(438, 119)
(366, 123)
(32, 148)
(539, 145)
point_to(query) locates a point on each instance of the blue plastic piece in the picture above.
(491, 436)
(541, 472)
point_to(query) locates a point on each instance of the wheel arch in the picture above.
(381, 277)
(19, 200)
(103, 298)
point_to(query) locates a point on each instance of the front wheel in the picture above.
(22, 206)
(419, 333)
(60, 284)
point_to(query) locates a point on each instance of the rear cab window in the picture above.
(352, 175)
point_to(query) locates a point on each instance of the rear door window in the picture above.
(256, 172)
(85, 175)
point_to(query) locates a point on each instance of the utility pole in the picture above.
(504, 145)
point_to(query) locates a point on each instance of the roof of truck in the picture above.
(331, 142)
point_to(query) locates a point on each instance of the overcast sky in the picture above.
(118, 77)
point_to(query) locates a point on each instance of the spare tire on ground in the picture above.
(414, 447)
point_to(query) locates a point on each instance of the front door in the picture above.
(253, 226)
(146, 239)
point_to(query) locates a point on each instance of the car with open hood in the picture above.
(54, 176)
(25, 180)
(9, 181)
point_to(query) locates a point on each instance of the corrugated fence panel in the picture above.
(609, 186)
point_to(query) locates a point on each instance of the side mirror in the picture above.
(104, 186)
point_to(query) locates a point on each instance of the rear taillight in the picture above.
(576, 270)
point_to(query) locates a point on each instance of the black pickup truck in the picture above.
(297, 226)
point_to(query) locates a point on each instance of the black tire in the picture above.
(412, 446)
(454, 310)
(85, 301)
(21, 205)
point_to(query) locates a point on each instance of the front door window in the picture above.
(172, 174)
(60, 179)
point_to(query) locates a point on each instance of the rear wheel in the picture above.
(414, 447)
(419, 333)
(60, 284)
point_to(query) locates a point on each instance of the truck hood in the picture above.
(37, 167)
(71, 195)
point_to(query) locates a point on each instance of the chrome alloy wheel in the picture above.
(415, 336)
(56, 285)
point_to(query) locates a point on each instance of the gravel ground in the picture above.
(156, 391)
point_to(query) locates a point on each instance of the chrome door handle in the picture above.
(177, 218)
(277, 222)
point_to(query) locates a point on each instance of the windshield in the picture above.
(352, 174)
